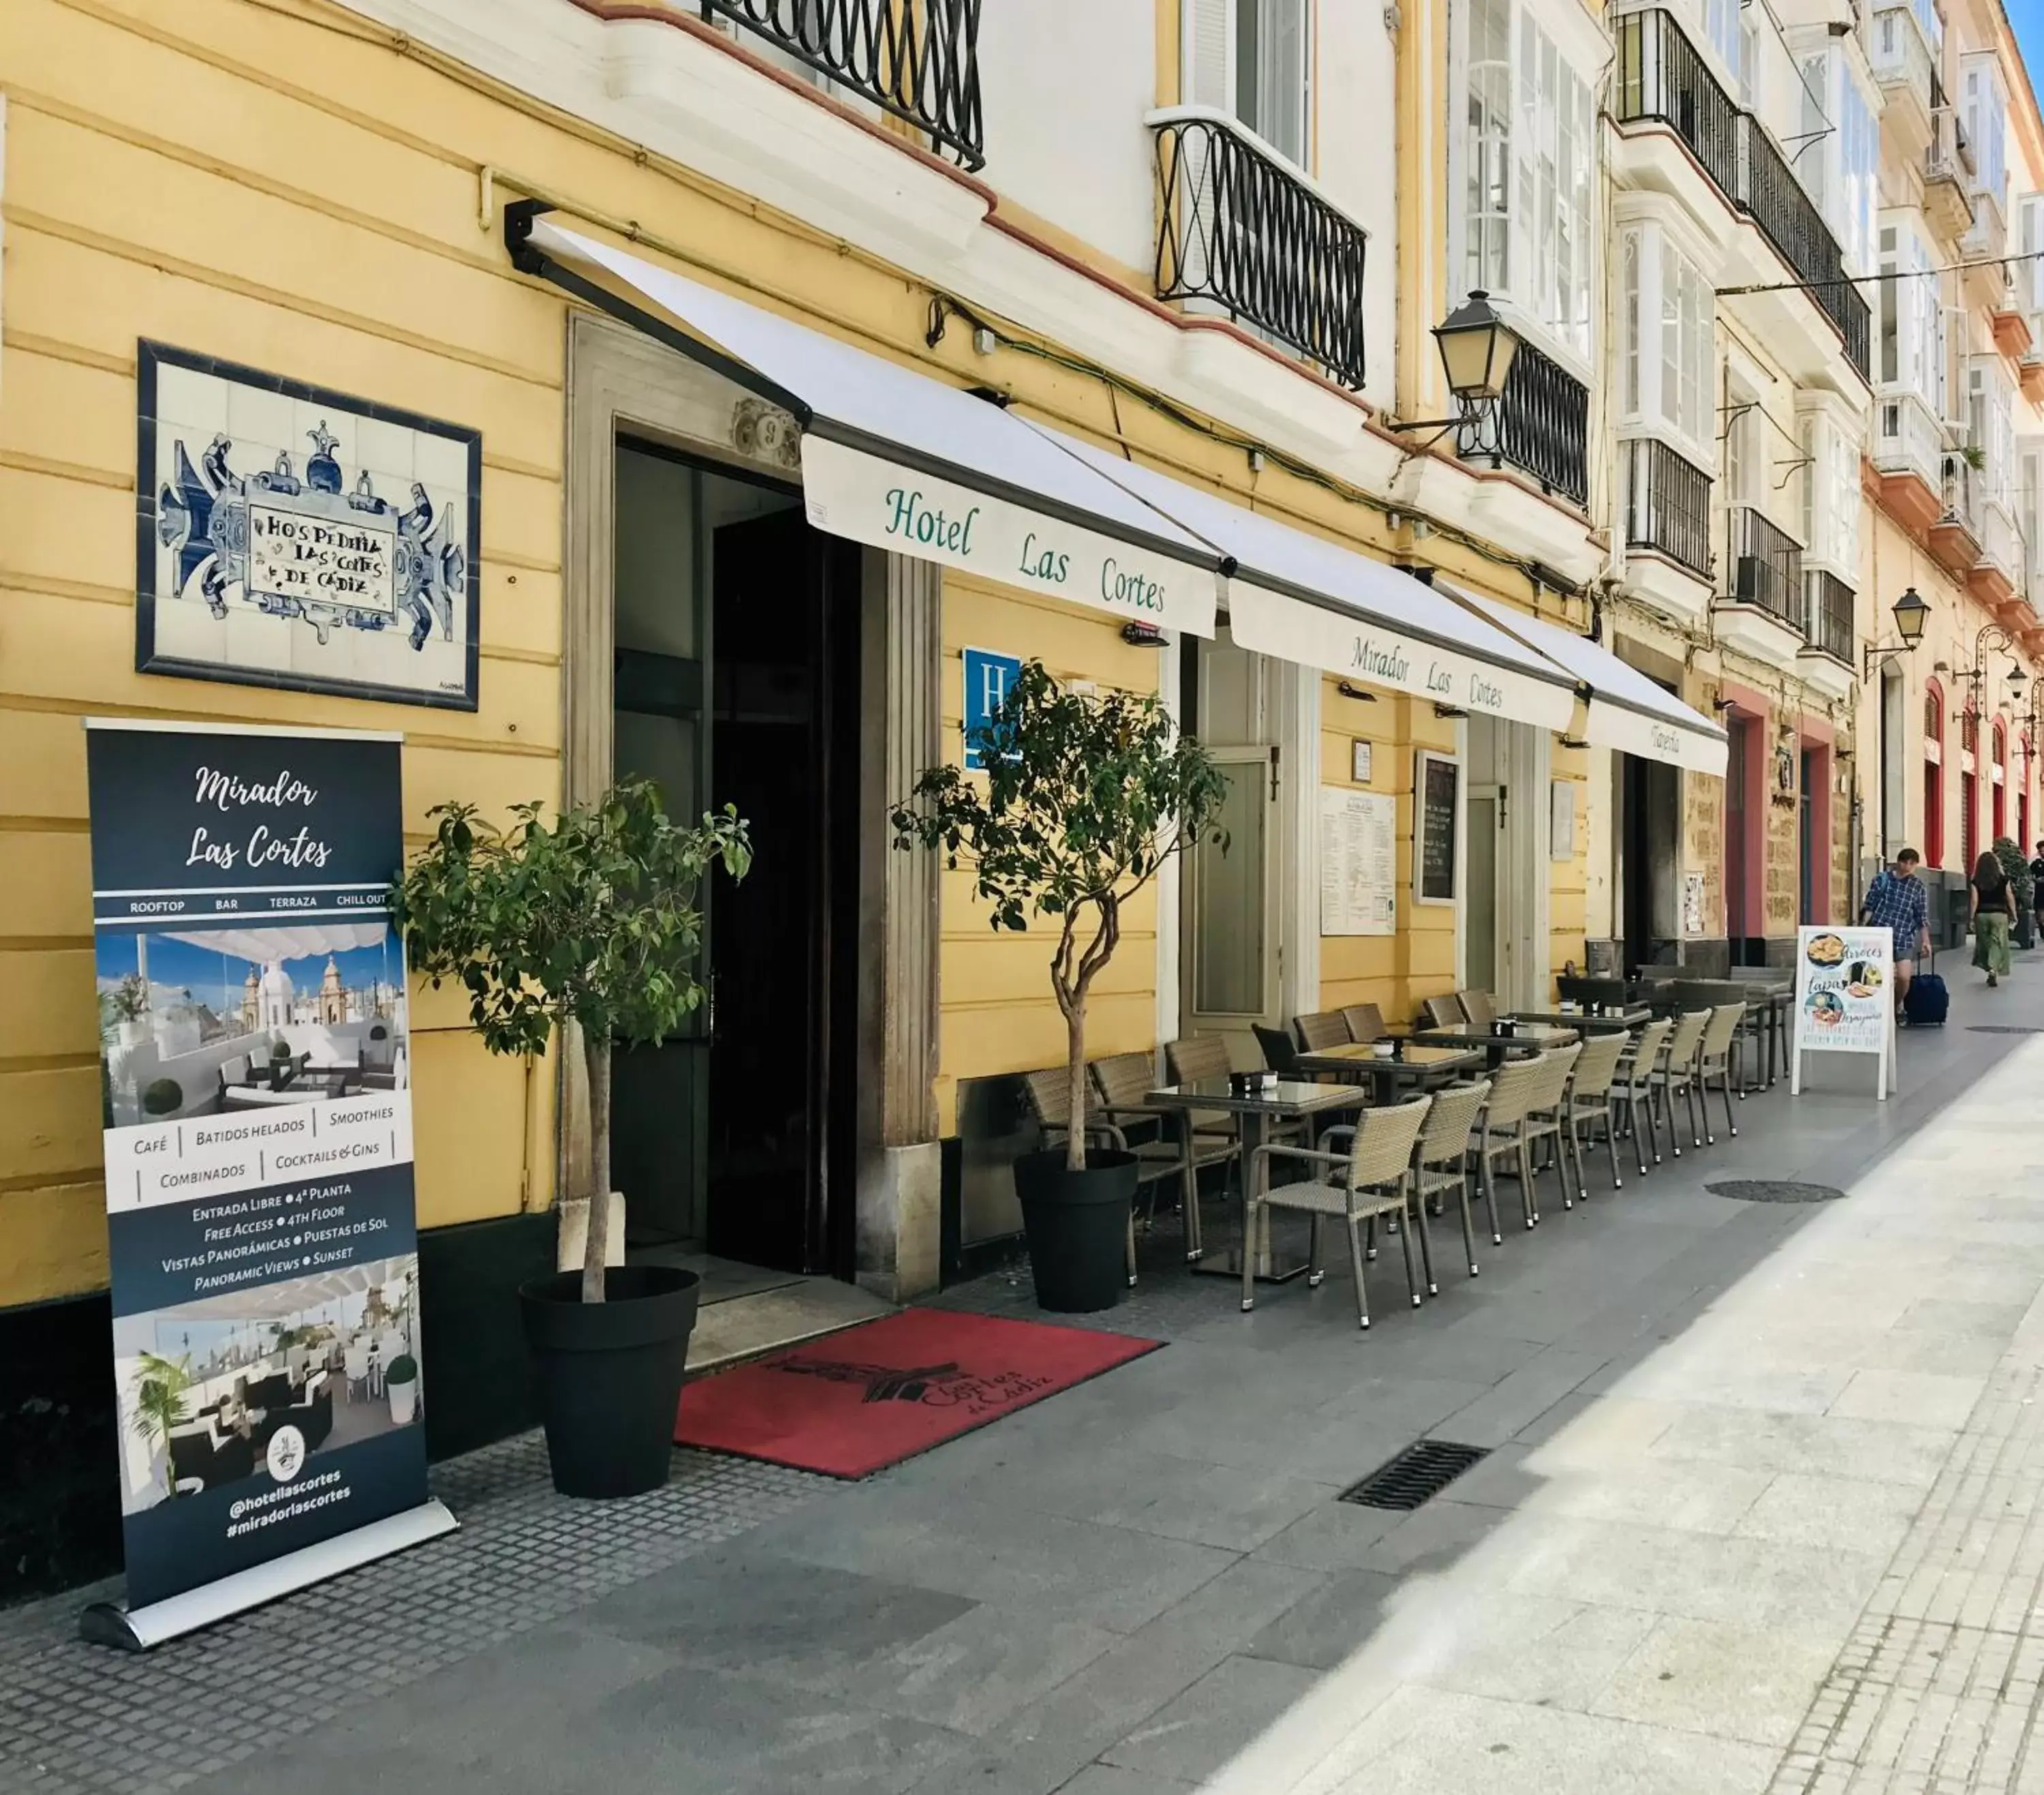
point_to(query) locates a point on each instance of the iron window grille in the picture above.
(1242, 230)
(1668, 505)
(918, 59)
(1830, 626)
(1540, 425)
(1765, 566)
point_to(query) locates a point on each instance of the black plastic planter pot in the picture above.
(1077, 1225)
(610, 1374)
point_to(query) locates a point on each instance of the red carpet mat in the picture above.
(854, 1403)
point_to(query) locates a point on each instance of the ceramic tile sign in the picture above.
(257, 1102)
(1845, 998)
(293, 537)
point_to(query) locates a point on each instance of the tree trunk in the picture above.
(596, 1056)
(1075, 1139)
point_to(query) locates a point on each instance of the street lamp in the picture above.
(1910, 613)
(1992, 636)
(1478, 348)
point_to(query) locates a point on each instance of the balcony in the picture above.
(1662, 79)
(1540, 426)
(1762, 608)
(1948, 205)
(1667, 505)
(1909, 456)
(1955, 537)
(1246, 231)
(1828, 658)
(1788, 218)
(1996, 574)
(1906, 69)
(918, 61)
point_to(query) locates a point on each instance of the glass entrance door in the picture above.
(1232, 934)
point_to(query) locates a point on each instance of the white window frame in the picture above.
(1658, 351)
(1830, 500)
(1550, 137)
(1209, 73)
(1917, 311)
(1984, 97)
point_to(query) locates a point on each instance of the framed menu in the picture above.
(1845, 999)
(1358, 862)
(1437, 800)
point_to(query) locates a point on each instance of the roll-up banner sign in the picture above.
(256, 1094)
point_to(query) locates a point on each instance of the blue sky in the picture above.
(2028, 17)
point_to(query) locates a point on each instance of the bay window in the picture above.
(1667, 353)
(1830, 495)
(1838, 158)
(1991, 427)
(1528, 166)
(1986, 104)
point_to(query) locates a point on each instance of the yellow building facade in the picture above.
(319, 192)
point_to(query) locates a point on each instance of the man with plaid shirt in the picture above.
(1897, 902)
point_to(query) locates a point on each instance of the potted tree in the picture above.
(401, 1382)
(591, 922)
(160, 1385)
(1084, 796)
(2009, 853)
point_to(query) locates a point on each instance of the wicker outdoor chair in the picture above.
(1523, 1111)
(1443, 1012)
(1122, 1082)
(1324, 1029)
(1677, 1068)
(1633, 1087)
(1440, 1157)
(1589, 1101)
(1714, 1058)
(1478, 1006)
(1376, 1179)
(1364, 1022)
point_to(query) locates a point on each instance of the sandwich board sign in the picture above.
(1845, 999)
(256, 1103)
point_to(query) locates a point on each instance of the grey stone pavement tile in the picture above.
(1764, 1511)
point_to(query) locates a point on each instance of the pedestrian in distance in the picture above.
(1896, 902)
(2037, 888)
(1994, 915)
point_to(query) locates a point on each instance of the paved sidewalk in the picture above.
(1756, 1518)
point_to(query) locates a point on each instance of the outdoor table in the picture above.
(1418, 1066)
(1283, 1100)
(1632, 1018)
(1535, 1037)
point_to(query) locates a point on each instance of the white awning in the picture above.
(892, 458)
(1627, 711)
(262, 943)
(1305, 599)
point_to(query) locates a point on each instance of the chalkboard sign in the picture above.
(1439, 785)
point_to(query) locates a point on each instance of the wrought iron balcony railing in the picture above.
(918, 59)
(1662, 79)
(1668, 505)
(1540, 426)
(1245, 230)
(1788, 218)
(1831, 625)
(1763, 566)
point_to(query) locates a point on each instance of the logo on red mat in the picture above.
(948, 1385)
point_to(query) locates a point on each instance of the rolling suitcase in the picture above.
(1928, 1001)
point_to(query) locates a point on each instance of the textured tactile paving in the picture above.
(77, 1717)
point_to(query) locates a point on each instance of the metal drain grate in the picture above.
(2001, 1029)
(1774, 1190)
(1424, 1469)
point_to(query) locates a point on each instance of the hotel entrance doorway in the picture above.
(735, 680)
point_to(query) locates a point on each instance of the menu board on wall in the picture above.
(1845, 998)
(1439, 789)
(1358, 862)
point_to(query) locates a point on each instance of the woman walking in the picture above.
(1994, 911)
